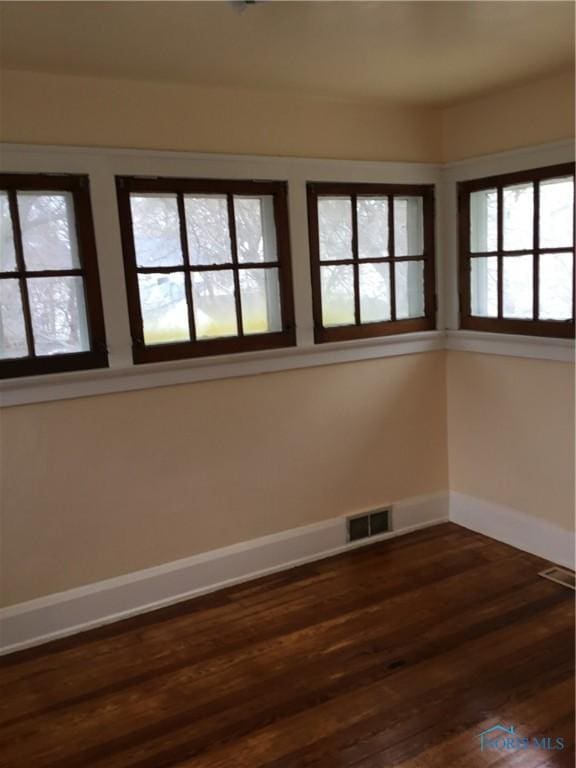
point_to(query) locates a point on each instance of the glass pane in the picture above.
(556, 281)
(207, 228)
(483, 221)
(58, 310)
(484, 287)
(335, 228)
(372, 227)
(518, 217)
(374, 292)
(517, 287)
(48, 230)
(408, 226)
(255, 228)
(556, 213)
(337, 285)
(409, 289)
(7, 253)
(12, 328)
(156, 228)
(164, 308)
(260, 293)
(214, 304)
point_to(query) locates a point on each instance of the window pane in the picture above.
(556, 213)
(260, 293)
(7, 253)
(207, 228)
(335, 228)
(48, 230)
(483, 221)
(214, 304)
(409, 289)
(517, 287)
(337, 285)
(12, 328)
(484, 287)
(255, 228)
(58, 310)
(374, 292)
(556, 281)
(518, 217)
(156, 230)
(372, 227)
(408, 226)
(164, 308)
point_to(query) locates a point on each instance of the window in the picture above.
(50, 307)
(372, 251)
(517, 252)
(207, 266)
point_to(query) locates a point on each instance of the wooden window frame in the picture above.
(500, 324)
(278, 190)
(97, 356)
(360, 330)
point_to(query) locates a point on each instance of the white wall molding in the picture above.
(513, 527)
(76, 610)
(536, 347)
(127, 378)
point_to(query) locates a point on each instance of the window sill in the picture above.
(536, 347)
(38, 389)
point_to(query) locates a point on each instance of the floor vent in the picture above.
(560, 576)
(372, 524)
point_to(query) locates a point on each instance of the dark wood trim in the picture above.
(20, 270)
(528, 327)
(536, 254)
(223, 346)
(392, 253)
(186, 265)
(500, 246)
(97, 356)
(355, 268)
(387, 327)
(199, 186)
(143, 353)
(562, 329)
(507, 179)
(234, 265)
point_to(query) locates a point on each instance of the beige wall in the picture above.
(511, 433)
(535, 113)
(101, 486)
(122, 113)
(105, 485)
(57, 109)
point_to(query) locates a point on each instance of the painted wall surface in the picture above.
(101, 486)
(511, 433)
(536, 113)
(143, 115)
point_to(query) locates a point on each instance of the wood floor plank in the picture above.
(396, 654)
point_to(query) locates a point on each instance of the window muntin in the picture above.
(50, 307)
(517, 252)
(372, 257)
(207, 266)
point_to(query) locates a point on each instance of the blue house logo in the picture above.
(494, 734)
(502, 738)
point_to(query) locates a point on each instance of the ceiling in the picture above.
(429, 53)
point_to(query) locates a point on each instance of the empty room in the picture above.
(287, 396)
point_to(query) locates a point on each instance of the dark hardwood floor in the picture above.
(398, 654)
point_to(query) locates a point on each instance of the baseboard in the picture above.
(510, 526)
(77, 610)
